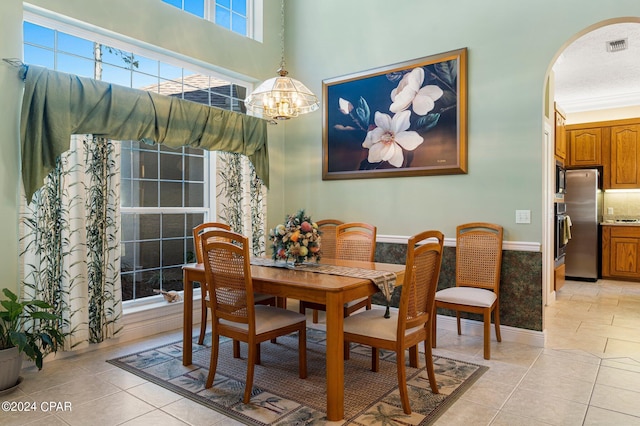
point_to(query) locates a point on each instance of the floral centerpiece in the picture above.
(296, 239)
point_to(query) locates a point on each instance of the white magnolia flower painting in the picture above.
(401, 120)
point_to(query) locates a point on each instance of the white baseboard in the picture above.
(508, 334)
(153, 320)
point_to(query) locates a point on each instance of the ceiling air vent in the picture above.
(617, 45)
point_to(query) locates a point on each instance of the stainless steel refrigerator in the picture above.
(583, 199)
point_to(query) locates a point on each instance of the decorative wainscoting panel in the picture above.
(520, 288)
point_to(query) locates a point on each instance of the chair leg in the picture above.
(375, 359)
(458, 321)
(496, 319)
(302, 352)
(433, 329)
(368, 307)
(315, 316)
(347, 350)
(236, 349)
(203, 320)
(487, 333)
(258, 360)
(250, 367)
(414, 357)
(213, 363)
(402, 382)
(428, 357)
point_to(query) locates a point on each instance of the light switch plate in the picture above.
(523, 216)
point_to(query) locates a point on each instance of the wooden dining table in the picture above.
(330, 290)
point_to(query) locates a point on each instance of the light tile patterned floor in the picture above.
(588, 374)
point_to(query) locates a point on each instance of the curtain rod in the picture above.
(15, 62)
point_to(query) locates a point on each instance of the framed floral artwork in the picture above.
(406, 119)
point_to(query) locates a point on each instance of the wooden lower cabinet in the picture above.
(621, 252)
(559, 277)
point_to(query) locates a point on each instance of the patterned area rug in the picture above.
(280, 397)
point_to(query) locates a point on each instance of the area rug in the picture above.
(280, 397)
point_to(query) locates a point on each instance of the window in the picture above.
(230, 14)
(164, 192)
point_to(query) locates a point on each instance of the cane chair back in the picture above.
(353, 241)
(234, 313)
(478, 265)
(198, 231)
(411, 323)
(356, 241)
(328, 238)
(479, 256)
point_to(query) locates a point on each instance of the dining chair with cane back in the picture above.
(411, 323)
(327, 227)
(354, 241)
(233, 311)
(477, 290)
(262, 299)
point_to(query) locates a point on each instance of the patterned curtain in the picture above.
(70, 239)
(241, 198)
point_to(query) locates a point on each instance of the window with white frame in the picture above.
(230, 14)
(164, 192)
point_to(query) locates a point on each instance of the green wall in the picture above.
(11, 89)
(511, 45)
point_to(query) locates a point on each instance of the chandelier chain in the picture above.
(282, 63)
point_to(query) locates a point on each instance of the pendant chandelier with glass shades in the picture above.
(282, 97)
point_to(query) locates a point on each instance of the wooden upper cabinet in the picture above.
(585, 147)
(625, 156)
(560, 134)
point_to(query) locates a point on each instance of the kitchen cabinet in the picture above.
(585, 147)
(560, 134)
(625, 156)
(621, 252)
(559, 277)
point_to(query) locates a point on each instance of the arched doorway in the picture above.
(593, 78)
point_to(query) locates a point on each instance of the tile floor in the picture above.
(588, 374)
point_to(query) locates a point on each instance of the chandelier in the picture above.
(281, 97)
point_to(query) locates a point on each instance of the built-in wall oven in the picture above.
(561, 179)
(560, 234)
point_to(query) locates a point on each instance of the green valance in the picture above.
(57, 105)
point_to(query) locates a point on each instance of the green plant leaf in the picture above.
(447, 71)
(43, 315)
(9, 294)
(427, 122)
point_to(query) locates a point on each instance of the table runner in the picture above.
(384, 280)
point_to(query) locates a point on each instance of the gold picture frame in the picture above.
(405, 119)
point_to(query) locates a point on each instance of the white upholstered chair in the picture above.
(477, 290)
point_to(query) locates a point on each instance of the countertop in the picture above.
(612, 223)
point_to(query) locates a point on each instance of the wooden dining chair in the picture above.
(411, 323)
(327, 248)
(477, 290)
(354, 241)
(328, 237)
(233, 311)
(262, 299)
